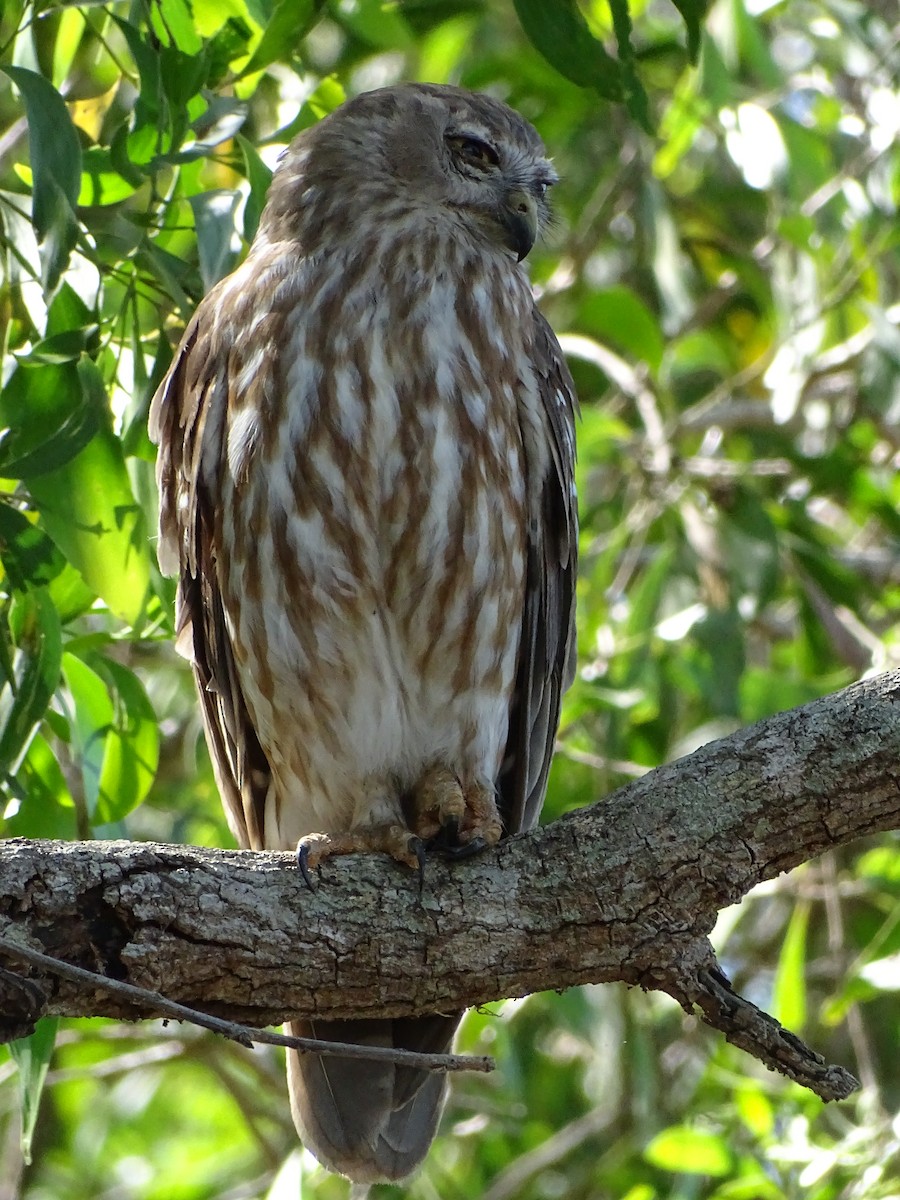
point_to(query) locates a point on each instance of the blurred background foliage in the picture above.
(724, 275)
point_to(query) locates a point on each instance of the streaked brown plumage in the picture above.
(366, 490)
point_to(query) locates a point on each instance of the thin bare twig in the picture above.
(243, 1033)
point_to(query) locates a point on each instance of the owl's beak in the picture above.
(519, 218)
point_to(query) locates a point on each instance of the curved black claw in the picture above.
(449, 834)
(467, 850)
(303, 864)
(417, 847)
(446, 840)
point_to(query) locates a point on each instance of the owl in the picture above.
(366, 476)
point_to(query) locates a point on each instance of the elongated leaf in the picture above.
(92, 716)
(56, 166)
(32, 1056)
(789, 993)
(116, 734)
(214, 218)
(634, 94)
(24, 696)
(290, 21)
(693, 12)
(132, 745)
(559, 32)
(89, 509)
(259, 176)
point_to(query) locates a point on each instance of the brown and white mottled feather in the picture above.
(366, 490)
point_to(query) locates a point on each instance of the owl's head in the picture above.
(438, 154)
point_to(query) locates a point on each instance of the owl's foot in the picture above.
(452, 819)
(401, 844)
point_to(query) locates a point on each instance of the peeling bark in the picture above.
(627, 889)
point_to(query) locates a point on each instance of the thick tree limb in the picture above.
(627, 889)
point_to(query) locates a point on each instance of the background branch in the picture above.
(627, 889)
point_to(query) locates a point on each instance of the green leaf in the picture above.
(379, 24)
(88, 508)
(56, 167)
(116, 735)
(29, 557)
(328, 96)
(66, 346)
(559, 32)
(45, 417)
(693, 12)
(214, 220)
(635, 96)
(173, 23)
(290, 21)
(619, 318)
(755, 1110)
(69, 33)
(32, 1057)
(259, 176)
(132, 751)
(42, 805)
(25, 694)
(101, 183)
(789, 992)
(749, 541)
(689, 1151)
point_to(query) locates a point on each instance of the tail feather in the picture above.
(367, 1120)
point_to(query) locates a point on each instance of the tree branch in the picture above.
(627, 889)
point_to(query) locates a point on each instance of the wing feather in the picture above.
(547, 655)
(187, 420)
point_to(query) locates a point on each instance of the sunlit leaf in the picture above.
(689, 1151)
(789, 991)
(41, 805)
(173, 23)
(88, 508)
(115, 728)
(290, 20)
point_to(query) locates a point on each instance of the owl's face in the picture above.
(496, 173)
(441, 154)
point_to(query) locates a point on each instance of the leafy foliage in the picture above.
(727, 287)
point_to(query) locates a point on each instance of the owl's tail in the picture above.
(369, 1121)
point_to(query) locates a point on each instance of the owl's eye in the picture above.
(473, 151)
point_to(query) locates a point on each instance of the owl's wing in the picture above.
(187, 420)
(547, 653)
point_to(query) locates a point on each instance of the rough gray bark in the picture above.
(627, 889)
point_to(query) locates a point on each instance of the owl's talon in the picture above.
(467, 849)
(449, 835)
(303, 864)
(417, 847)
